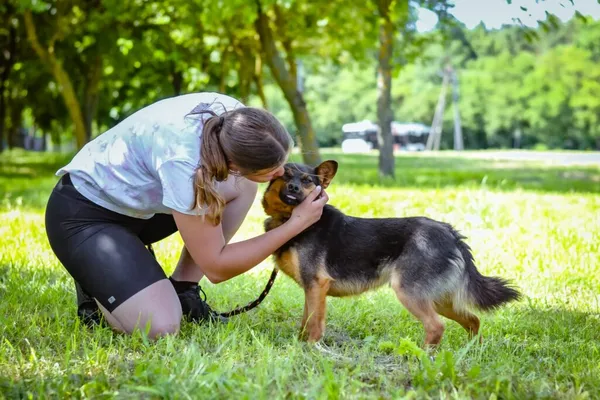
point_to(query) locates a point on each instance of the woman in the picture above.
(190, 164)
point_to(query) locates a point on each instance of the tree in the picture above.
(308, 33)
(385, 115)
(286, 74)
(8, 56)
(47, 53)
(396, 28)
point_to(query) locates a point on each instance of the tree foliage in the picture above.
(73, 68)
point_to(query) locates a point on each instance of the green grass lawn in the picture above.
(533, 223)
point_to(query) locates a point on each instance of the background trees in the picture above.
(70, 69)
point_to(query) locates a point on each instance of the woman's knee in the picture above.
(155, 310)
(153, 326)
(153, 323)
(160, 327)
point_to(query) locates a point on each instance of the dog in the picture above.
(426, 262)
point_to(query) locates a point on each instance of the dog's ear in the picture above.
(326, 171)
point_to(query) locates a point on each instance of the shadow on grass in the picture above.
(26, 164)
(552, 329)
(32, 385)
(27, 178)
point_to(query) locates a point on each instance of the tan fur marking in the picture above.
(271, 202)
(349, 288)
(289, 263)
(322, 273)
(466, 319)
(315, 310)
(343, 288)
(272, 223)
(307, 189)
(304, 316)
(425, 312)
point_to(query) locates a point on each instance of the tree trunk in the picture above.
(288, 84)
(244, 89)
(44, 141)
(435, 135)
(385, 114)
(91, 95)
(224, 71)
(176, 79)
(13, 129)
(260, 90)
(62, 78)
(458, 135)
(2, 115)
(517, 134)
(8, 60)
(245, 74)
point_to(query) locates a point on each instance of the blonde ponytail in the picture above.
(213, 168)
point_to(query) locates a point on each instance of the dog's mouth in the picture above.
(290, 199)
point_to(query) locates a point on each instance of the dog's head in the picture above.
(287, 191)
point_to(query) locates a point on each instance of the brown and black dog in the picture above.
(426, 262)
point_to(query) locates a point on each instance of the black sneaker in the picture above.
(193, 306)
(87, 309)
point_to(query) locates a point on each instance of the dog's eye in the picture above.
(306, 179)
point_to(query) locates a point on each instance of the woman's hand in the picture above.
(310, 210)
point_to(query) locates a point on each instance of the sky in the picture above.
(494, 13)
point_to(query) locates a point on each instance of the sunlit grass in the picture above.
(536, 224)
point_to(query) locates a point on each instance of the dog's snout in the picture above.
(294, 188)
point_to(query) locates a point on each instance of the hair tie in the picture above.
(220, 123)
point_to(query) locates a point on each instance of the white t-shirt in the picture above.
(145, 164)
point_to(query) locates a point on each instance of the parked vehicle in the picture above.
(358, 137)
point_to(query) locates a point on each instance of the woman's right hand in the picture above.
(310, 210)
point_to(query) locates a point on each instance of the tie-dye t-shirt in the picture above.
(145, 164)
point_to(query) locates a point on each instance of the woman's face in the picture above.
(266, 175)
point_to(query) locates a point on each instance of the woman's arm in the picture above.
(221, 261)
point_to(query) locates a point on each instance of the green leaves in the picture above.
(36, 6)
(149, 50)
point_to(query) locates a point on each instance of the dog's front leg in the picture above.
(313, 321)
(305, 314)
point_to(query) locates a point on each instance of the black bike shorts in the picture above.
(102, 250)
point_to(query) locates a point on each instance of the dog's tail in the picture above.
(485, 293)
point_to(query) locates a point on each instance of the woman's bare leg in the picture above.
(156, 306)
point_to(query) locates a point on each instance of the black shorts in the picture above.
(102, 250)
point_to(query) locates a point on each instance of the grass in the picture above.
(531, 222)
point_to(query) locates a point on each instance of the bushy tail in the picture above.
(486, 293)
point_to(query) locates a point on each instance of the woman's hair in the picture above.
(251, 138)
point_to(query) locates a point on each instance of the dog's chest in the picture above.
(288, 261)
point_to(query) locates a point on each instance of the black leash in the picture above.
(256, 302)
(250, 305)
